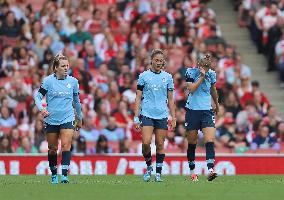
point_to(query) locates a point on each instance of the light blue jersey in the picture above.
(201, 98)
(60, 95)
(155, 87)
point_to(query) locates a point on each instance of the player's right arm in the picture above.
(191, 85)
(139, 91)
(39, 95)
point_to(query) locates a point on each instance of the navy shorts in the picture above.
(199, 119)
(156, 123)
(48, 128)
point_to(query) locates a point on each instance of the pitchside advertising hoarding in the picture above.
(121, 164)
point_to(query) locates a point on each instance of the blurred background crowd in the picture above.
(108, 44)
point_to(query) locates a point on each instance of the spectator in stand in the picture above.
(15, 139)
(5, 144)
(26, 146)
(7, 62)
(280, 131)
(279, 51)
(47, 59)
(102, 145)
(80, 35)
(111, 43)
(227, 131)
(265, 140)
(11, 27)
(239, 141)
(112, 132)
(232, 104)
(272, 118)
(238, 72)
(248, 95)
(38, 134)
(129, 95)
(7, 119)
(88, 131)
(81, 145)
(122, 115)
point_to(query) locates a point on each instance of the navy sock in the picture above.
(191, 156)
(65, 162)
(210, 154)
(148, 158)
(159, 162)
(52, 160)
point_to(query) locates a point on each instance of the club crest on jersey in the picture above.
(68, 85)
(164, 80)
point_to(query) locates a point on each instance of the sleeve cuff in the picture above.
(189, 80)
(140, 87)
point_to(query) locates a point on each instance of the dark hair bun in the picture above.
(207, 56)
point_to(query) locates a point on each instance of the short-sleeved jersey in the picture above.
(59, 98)
(201, 98)
(155, 87)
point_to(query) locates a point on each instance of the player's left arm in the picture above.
(171, 102)
(214, 93)
(77, 105)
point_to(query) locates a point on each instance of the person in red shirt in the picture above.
(122, 116)
(248, 96)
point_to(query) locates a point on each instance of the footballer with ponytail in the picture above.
(62, 96)
(200, 113)
(153, 98)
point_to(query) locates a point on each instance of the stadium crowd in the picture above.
(265, 21)
(108, 45)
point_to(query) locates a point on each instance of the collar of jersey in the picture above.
(155, 72)
(59, 79)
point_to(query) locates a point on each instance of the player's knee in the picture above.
(52, 148)
(192, 140)
(209, 140)
(159, 146)
(146, 143)
(65, 146)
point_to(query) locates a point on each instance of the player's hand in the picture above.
(44, 112)
(202, 72)
(78, 125)
(137, 123)
(173, 123)
(216, 109)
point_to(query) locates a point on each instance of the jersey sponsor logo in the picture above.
(61, 94)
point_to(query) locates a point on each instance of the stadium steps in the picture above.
(240, 37)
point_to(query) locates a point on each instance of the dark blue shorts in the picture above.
(156, 123)
(199, 119)
(48, 128)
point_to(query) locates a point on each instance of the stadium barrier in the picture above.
(120, 164)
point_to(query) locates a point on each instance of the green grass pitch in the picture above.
(133, 188)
